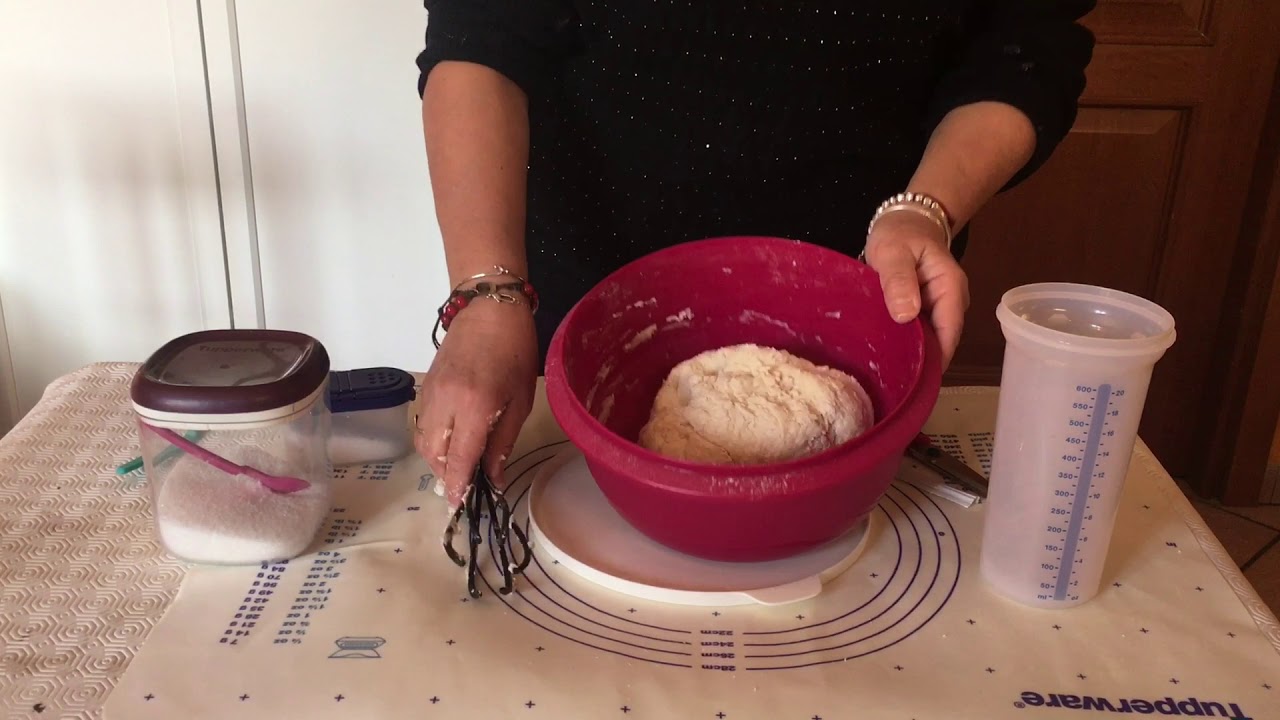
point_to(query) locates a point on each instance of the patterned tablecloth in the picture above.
(91, 607)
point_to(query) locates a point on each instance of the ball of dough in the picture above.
(746, 404)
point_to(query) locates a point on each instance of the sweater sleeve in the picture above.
(523, 40)
(1030, 54)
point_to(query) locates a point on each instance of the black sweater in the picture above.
(654, 122)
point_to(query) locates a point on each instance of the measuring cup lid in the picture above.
(231, 376)
(1086, 320)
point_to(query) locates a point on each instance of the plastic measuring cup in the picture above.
(1077, 364)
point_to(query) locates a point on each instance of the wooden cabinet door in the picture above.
(1146, 194)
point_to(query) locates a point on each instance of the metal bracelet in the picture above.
(918, 203)
(497, 271)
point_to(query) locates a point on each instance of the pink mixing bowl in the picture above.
(615, 348)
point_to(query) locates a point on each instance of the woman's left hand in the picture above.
(918, 272)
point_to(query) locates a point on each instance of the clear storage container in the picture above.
(234, 435)
(370, 408)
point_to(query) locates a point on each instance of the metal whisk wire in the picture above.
(483, 499)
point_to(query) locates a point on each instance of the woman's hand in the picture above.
(477, 394)
(918, 272)
(973, 152)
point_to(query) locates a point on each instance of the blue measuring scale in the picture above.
(1081, 484)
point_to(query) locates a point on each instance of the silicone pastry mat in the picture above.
(375, 621)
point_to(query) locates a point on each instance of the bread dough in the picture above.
(747, 404)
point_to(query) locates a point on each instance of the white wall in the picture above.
(9, 412)
(109, 233)
(346, 236)
(171, 165)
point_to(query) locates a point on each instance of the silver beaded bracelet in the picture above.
(917, 203)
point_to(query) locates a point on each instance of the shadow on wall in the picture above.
(348, 243)
(8, 389)
(96, 257)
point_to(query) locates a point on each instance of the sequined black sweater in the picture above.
(653, 122)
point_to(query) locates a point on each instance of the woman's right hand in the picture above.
(477, 394)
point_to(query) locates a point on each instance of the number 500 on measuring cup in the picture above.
(1077, 364)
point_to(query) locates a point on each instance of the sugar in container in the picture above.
(234, 430)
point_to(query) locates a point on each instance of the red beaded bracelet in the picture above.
(512, 293)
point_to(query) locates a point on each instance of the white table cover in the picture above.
(375, 623)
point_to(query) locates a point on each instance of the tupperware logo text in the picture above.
(1187, 707)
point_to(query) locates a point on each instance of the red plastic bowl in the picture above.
(614, 349)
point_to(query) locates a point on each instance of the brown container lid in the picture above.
(238, 373)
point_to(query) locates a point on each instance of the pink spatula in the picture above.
(274, 483)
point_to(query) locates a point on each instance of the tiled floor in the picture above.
(1252, 537)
